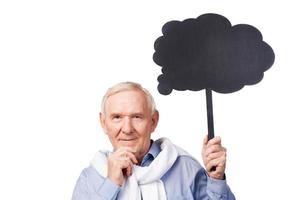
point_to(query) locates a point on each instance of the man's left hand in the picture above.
(214, 155)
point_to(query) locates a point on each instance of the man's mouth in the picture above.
(127, 140)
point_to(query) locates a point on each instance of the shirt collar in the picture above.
(154, 150)
(151, 154)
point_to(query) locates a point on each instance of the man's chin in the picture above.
(130, 144)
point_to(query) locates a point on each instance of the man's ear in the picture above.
(155, 119)
(102, 119)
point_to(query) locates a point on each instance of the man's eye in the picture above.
(116, 117)
(137, 117)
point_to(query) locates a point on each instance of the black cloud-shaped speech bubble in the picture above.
(209, 53)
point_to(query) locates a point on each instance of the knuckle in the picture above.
(214, 148)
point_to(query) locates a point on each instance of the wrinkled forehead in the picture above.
(127, 101)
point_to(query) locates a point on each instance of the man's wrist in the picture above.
(218, 186)
(219, 177)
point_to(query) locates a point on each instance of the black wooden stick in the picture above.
(210, 118)
(209, 114)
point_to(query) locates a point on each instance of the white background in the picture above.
(57, 58)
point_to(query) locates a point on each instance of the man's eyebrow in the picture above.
(138, 113)
(115, 113)
(131, 114)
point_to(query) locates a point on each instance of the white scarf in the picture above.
(145, 181)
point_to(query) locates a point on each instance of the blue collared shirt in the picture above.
(186, 179)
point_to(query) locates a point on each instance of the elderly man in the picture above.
(140, 168)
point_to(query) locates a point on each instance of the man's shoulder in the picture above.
(184, 159)
(188, 161)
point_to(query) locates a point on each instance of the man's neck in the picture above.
(142, 154)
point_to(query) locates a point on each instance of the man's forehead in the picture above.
(133, 98)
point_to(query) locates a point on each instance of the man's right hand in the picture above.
(120, 164)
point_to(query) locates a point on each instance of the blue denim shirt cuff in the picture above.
(108, 190)
(217, 186)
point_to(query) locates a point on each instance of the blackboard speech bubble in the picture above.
(209, 53)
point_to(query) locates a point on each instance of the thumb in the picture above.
(205, 140)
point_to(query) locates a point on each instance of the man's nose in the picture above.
(127, 127)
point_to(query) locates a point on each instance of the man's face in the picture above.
(127, 120)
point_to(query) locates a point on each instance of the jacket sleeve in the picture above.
(206, 188)
(92, 186)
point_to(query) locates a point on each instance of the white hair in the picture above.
(128, 86)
